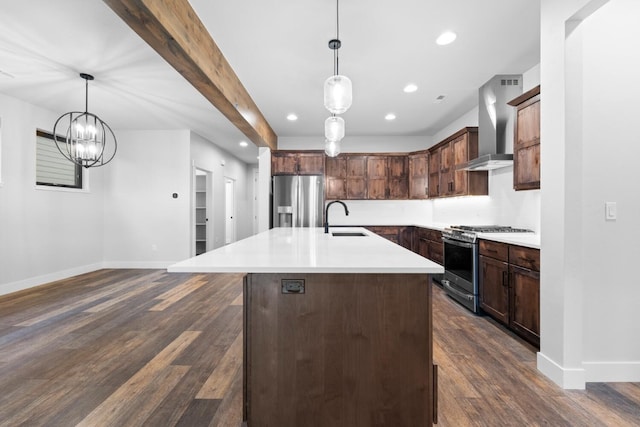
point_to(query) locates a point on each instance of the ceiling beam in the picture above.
(173, 29)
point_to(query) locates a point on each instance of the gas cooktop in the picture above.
(490, 229)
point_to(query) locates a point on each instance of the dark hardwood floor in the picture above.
(144, 347)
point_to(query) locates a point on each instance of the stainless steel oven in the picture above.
(460, 280)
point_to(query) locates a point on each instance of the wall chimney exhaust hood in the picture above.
(496, 123)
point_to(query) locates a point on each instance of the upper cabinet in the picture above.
(526, 144)
(297, 163)
(367, 177)
(447, 158)
(419, 175)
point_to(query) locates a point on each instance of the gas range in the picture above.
(469, 233)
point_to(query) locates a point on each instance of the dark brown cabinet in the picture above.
(376, 177)
(336, 178)
(446, 176)
(510, 287)
(297, 163)
(349, 350)
(397, 177)
(428, 243)
(419, 175)
(367, 177)
(526, 144)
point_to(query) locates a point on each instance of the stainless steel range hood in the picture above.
(496, 122)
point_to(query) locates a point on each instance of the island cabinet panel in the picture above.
(352, 350)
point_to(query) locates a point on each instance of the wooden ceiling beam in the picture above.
(173, 29)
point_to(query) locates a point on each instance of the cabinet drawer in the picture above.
(434, 235)
(525, 257)
(494, 250)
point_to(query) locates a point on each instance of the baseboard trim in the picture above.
(565, 378)
(608, 372)
(138, 264)
(20, 285)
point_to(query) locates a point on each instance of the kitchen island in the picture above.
(337, 328)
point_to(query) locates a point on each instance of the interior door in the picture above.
(230, 211)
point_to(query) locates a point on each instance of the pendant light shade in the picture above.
(338, 94)
(334, 128)
(84, 138)
(332, 148)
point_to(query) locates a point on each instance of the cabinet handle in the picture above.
(504, 279)
(435, 394)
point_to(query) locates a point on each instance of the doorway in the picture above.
(230, 210)
(202, 198)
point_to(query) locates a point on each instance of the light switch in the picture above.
(610, 211)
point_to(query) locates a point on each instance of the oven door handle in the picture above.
(447, 284)
(458, 243)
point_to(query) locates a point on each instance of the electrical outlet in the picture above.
(610, 211)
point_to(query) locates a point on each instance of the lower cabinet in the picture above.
(510, 287)
(428, 243)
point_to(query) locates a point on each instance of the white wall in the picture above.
(45, 234)
(144, 225)
(590, 321)
(360, 144)
(207, 156)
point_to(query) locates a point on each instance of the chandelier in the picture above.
(337, 97)
(87, 140)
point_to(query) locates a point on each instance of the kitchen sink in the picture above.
(347, 234)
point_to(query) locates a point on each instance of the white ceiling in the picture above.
(278, 49)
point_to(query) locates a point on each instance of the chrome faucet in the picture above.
(326, 213)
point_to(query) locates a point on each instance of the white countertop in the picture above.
(309, 250)
(530, 240)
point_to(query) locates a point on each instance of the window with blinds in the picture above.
(52, 168)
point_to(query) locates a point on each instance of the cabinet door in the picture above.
(376, 177)
(494, 288)
(526, 158)
(434, 173)
(398, 181)
(310, 163)
(525, 303)
(356, 177)
(406, 237)
(446, 170)
(460, 147)
(418, 176)
(336, 178)
(284, 164)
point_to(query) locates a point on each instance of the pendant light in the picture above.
(334, 128)
(337, 88)
(87, 140)
(331, 148)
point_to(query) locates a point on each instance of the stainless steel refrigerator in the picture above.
(298, 200)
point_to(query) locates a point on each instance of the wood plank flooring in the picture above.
(148, 348)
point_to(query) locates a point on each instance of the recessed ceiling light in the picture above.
(390, 116)
(446, 38)
(410, 88)
(244, 144)
(292, 117)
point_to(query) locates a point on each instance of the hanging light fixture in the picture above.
(334, 128)
(337, 88)
(331, 148)
(87, 141)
